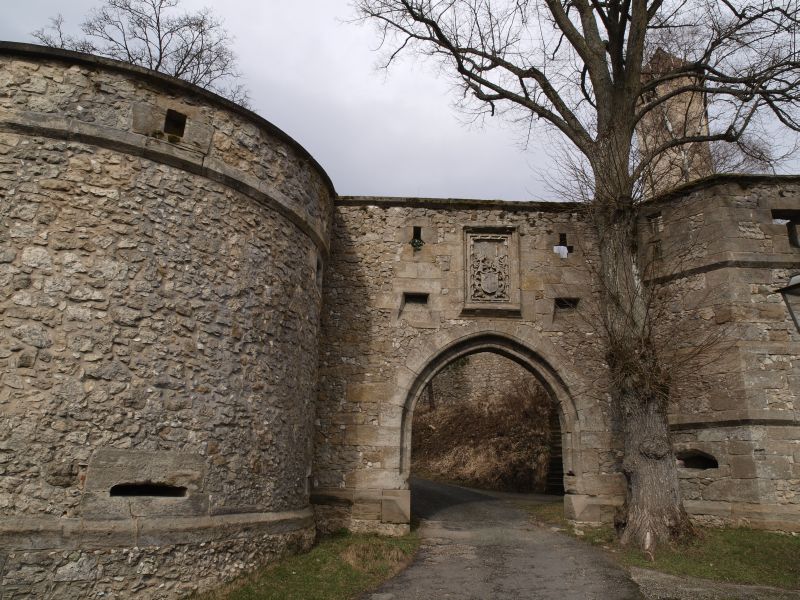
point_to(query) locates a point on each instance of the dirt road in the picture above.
(481, 546)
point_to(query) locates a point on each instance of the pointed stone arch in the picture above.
(509, 347)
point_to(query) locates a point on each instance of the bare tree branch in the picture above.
(153, 34)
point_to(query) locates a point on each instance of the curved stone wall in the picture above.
(160, 261)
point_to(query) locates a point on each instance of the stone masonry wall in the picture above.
(740, 402)
(390, 311)
(481, 379)
(158, 323)
(393, 316)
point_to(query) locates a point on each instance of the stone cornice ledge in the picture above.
(38, 52)
(70, 129)
(48, 532)
(734, 418)
(459, 204)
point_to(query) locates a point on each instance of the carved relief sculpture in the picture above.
(491, 269)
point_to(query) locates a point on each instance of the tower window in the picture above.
(416, 239)
(655, 223)
(175, 123)
(792, 220)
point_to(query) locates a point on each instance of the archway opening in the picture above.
(486, 421)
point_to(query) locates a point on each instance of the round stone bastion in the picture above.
(161, 257)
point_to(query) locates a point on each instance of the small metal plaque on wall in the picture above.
(491, 270)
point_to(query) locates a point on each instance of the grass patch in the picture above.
(339, 567)
(732, 555)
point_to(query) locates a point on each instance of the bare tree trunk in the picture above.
(654, 510)
(639, 385)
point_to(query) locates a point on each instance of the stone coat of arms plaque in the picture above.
(491, 270)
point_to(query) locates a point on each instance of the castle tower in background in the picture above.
(684, 115)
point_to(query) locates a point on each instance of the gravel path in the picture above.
(482, 546)
(660, 586)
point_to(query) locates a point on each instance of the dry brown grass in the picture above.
(502, 446)
(365, 556)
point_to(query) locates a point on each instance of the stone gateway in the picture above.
(206, 355)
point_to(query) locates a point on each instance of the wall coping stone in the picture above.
(42, 533)
(458, 204)
(742, 179)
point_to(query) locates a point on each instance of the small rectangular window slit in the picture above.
(418, 299)
(416, 240)
(175, 123)
(655, 223)
(563, 249)
(148, 489)
(567, 303)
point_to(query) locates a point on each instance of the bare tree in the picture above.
(153, 34)
(591, 70)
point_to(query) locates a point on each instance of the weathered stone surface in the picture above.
(158, 328)
(396, 506)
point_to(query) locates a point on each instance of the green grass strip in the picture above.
(340, 567)
(733, 555)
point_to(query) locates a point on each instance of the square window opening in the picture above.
(791, 218)
(415, 298)
(175, 123)
(567, 303)
(563, 249)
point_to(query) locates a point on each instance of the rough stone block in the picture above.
(732, 490)
(332, 496)
(373, 479)
(743, 467)
(396, 506)
(703, 507)
(590, 509)
(367, 510)
(362, 435)
(368, 392)
(775, 467)
(602, 484)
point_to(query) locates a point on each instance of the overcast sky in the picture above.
(314, 74)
